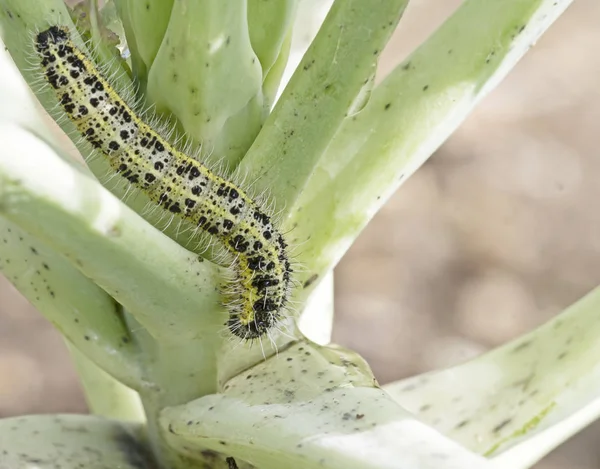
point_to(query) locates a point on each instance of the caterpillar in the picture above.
(258, 291)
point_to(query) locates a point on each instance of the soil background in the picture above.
(494, 235)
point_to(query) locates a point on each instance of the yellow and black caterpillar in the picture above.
(258, 292)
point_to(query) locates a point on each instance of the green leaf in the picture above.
(72, 442)
(310, 407)
(22, 17)
(148, 21)
(337, 65)
(207, 75)
(269, 22)
(533, 392)
(309, 18)
(92, 22)
(138, 67)
(109, 16)
(79, 309)
(270, 27)
(272, 80)
(406, 118)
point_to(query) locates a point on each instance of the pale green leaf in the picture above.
(79, 309)
(207, 75)
(148, 20)
(541, 387)
(72, 442)
(270, 26)
(310, 407)
(406, 118)
(339, 62)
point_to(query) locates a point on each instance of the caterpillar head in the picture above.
(53, 35)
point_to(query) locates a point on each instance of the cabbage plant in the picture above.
(281, 92)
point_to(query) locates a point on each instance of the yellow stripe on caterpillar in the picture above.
(259, 290)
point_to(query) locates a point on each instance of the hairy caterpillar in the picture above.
(177, 183)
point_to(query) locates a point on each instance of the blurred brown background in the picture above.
(490, 238)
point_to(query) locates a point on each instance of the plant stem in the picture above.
(105, 395)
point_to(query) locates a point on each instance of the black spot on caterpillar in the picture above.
(180, 185)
